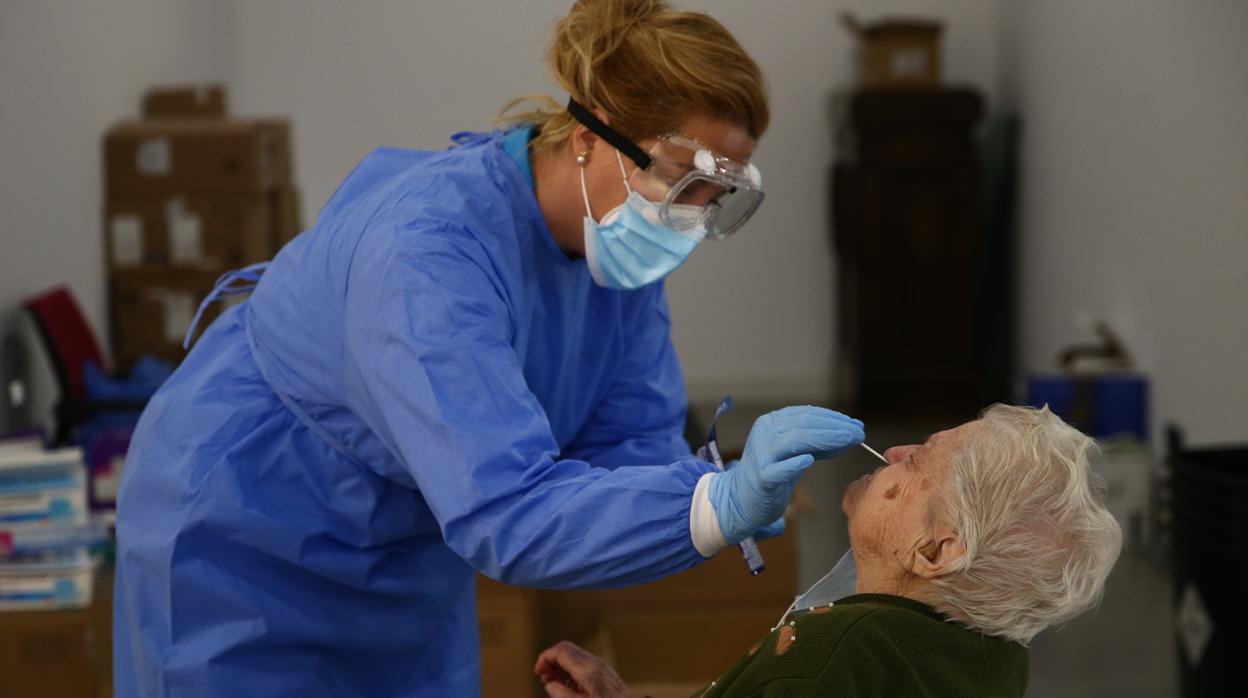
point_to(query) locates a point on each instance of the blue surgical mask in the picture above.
(630, 247)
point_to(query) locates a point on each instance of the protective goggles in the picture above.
(693, 186)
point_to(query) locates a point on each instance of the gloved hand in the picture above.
(772, 530)
(781, 446)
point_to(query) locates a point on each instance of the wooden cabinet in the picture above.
(911, 260)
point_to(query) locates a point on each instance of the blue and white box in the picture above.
(46, 537)
(40, 489)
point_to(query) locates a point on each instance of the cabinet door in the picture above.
(917, 277)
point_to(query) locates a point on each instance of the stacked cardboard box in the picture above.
(64, 653)
(507, 626)
(190, 196)
(671, 637)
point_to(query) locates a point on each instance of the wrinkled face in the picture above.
(889, 510)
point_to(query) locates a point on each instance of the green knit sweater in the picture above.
(875, 645)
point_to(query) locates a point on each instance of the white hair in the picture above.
(1029, 511)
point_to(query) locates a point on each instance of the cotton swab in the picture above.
(874, 452)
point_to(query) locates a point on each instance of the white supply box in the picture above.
(42, 489)
(49, 567)
(41, 587)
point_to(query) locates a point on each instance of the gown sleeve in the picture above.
(433, 373)
(642, 417)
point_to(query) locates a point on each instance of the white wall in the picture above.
(1135, 191)
(1135, 182)
(67, 71)
(355, 76)
(753, 316)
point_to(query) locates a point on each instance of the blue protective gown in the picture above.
(421, 386)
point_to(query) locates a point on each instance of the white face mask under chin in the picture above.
(839, 582)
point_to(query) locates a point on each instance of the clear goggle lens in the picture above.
(695, 188)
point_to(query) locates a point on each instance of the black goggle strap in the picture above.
(610, 135)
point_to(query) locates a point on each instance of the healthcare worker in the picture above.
(464, 366)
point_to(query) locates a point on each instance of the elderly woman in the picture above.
(966, 547)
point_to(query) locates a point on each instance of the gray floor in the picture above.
(1125, 648)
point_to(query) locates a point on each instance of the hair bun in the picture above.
(591, 33)
(626, 11)
(649, 69)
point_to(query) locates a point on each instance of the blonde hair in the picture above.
(649, 68)
(1029, 510)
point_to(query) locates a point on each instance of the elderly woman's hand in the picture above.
(567, 671)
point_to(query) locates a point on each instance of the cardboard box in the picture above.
(46, 653)
(152, 307)
(185, 102)
(216, 231)
(54, 654)
(723, 582)
(689, 648)
(197, 156)
(507, 625)
(102, 630)
(897, 52)
(707, 617)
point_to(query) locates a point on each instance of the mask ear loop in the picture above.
(623, 172)
(581, 159)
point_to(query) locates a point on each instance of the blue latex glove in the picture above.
(139, 384)
(781, 446)
(774, 529)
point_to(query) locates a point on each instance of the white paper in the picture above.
(179, 311)
(127, 239)
(185, 240)
(154, 158)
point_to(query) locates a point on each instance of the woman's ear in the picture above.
(583, 141)
(935, 556)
